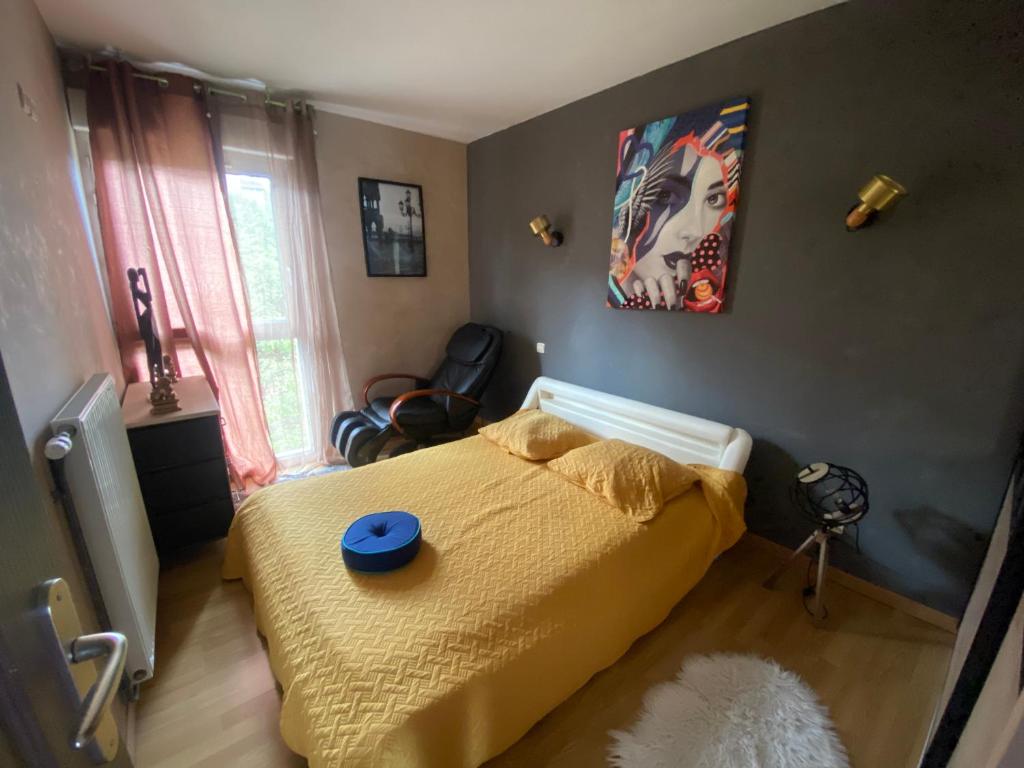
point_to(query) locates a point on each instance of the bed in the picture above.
(526, 585)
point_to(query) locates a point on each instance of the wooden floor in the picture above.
(214, 702)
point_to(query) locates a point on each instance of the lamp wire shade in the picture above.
(830, 495)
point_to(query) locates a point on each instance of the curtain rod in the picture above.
(199, 87)
(163, 82)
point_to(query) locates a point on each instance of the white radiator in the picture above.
(105, 490)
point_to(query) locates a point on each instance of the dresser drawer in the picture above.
(169, 490)
(176, 443)
(203, 522)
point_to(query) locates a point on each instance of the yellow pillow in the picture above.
(636, 480)
(535, 435)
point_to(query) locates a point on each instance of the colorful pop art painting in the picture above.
(677, 183)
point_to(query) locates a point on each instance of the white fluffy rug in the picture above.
(730, 711)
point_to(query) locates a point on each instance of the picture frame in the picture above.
(676, 190)
(394, 228)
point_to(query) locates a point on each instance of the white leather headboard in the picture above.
(687, 439)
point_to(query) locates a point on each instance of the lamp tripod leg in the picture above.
(819, 587)
(769, 583)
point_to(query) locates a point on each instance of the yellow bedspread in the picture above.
(525, 586)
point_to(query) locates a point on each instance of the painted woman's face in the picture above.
(688, 207)
(676, 188)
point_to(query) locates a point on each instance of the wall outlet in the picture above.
(540, 347)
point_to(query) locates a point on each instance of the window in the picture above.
(249, 197)
(250, 201)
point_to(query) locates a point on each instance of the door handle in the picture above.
(101, 694)
(75, 653)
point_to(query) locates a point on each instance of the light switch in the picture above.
(540, 347)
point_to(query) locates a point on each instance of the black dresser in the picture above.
(179, 458)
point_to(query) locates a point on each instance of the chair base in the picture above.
(357, 438)
(360, 440)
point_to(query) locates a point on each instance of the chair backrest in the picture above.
(470, 359)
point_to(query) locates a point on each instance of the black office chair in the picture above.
(441, 408)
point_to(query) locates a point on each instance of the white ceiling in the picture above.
(455, 68)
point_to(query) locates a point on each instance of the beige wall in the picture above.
(54, 330)
(393, 324)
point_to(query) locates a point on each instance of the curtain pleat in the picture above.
(283, 141)
(162, 207)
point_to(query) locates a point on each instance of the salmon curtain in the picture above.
(279, 142)
(161, 206)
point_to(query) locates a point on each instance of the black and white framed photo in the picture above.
(394, 233)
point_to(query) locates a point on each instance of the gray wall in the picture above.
(897, 350)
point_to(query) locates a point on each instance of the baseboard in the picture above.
(879, 594)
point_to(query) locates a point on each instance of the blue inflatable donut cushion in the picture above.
(382, 541)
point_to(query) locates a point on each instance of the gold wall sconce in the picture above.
(879, 194)
(541, 227)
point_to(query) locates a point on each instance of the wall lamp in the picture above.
(541, 227)
(876, 196)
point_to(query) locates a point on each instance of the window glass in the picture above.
(250, 200)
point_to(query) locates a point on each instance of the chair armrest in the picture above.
(405, 397)
(382, 377)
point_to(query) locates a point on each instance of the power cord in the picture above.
(811, 589)
(812, 586)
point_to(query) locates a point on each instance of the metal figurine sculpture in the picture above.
(170, 371)
(160, 366)
(162, 398)
(143, 297)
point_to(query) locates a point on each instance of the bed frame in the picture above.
(687, 439)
